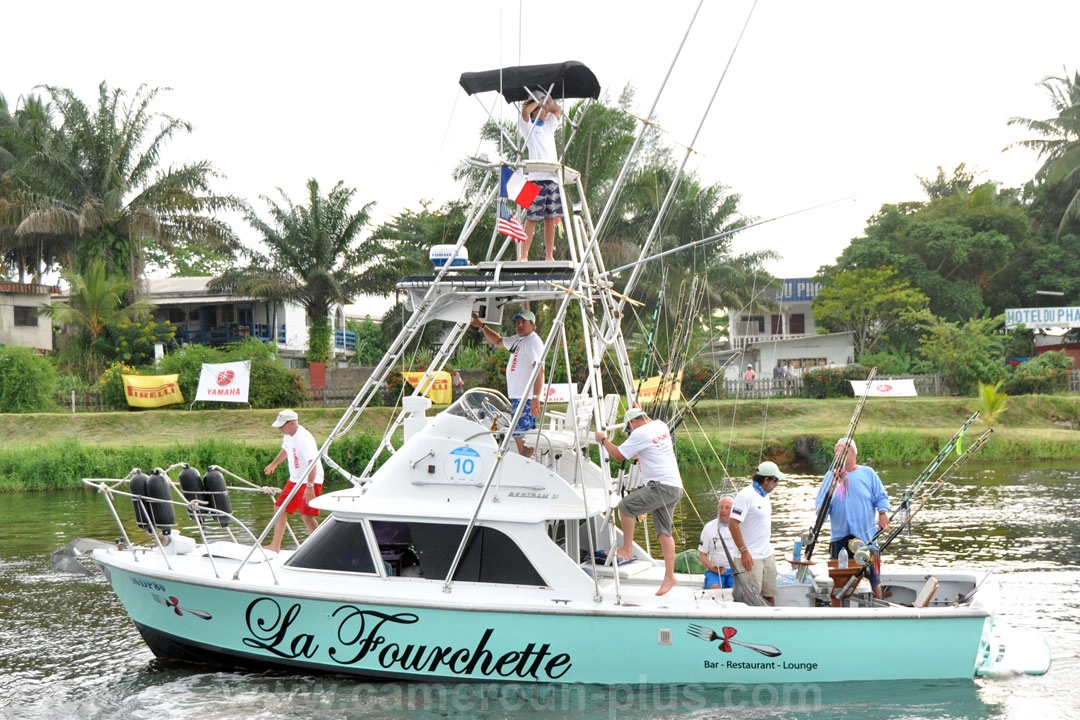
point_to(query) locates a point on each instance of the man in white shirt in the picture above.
(714, 537)
(526, 351)
(539, 120)
(650, 442)
(751, 528)
(299, 448)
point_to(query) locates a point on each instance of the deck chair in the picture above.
(563, 432)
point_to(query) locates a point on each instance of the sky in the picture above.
(841, 104)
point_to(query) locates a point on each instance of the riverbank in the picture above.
(53, 451)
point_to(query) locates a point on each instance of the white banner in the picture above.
(560, 392)
(225, 382)
(885, 388)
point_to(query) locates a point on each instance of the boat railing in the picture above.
(200, 511)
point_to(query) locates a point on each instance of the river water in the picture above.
(68, 650)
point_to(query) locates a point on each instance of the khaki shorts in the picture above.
(762, 576)
(657, 498)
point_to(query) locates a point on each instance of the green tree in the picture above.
(964, 354)
(869, 303)
(96, 299)
(316, 259)
(93, 185)
(959, 249)
(1059, 144)
(27, 381)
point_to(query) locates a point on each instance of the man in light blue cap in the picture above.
(650, 443)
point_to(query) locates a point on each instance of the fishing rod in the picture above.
(742, 590)
(652, 333)
(864, 554)
(680, 414)
(835, 468)
(917, 483)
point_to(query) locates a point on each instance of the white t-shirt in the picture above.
(651, 445)
(300, 448)
(540, 141)
(754, 511)
(525, 352)
(710, 542)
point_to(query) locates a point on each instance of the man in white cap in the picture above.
(299, 448)
(650, 442)
(751, 528)
(859, 506)
(526, 352)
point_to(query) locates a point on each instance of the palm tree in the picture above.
(1059, 146)
(96, 300)
(94, 182)
(316, 259)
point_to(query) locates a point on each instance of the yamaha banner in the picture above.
(224, 382)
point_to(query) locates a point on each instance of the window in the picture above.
(490, 556)
(797, 324)
(339, 545)
(776, 324)
(25, 316)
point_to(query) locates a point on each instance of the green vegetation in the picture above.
(796, 433)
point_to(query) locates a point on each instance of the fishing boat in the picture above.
(459, 559)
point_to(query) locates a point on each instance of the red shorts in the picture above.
(298, 502)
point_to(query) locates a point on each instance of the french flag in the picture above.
(517, 188)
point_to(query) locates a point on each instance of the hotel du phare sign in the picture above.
(1038, 318)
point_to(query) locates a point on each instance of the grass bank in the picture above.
(53, 451)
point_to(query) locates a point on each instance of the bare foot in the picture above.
(667, 585)
(627, 555)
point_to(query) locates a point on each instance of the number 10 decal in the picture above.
(463, 465)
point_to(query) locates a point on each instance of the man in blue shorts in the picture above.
(526, 352)
(539, 120)
(714, 536)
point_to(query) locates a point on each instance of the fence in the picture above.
(931, 385)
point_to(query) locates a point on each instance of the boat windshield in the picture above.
(487, 407)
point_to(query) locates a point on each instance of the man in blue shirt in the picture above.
(859, 507)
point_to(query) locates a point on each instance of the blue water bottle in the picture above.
(841, 559)
(797, 555)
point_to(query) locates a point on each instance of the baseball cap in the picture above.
(525, 315)
(283, 417)
(633, 414)
(769, 469)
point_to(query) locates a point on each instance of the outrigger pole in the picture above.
(836, 468)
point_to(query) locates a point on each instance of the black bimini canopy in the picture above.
(569, 79)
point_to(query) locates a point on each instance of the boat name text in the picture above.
(148, 584)
(367, 635)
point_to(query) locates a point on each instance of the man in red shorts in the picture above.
(298, 447)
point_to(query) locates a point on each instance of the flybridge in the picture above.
(1053, 317)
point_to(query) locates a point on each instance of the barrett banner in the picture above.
(438, 390)
(224, 382)
(151, 391)
(669, 388)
